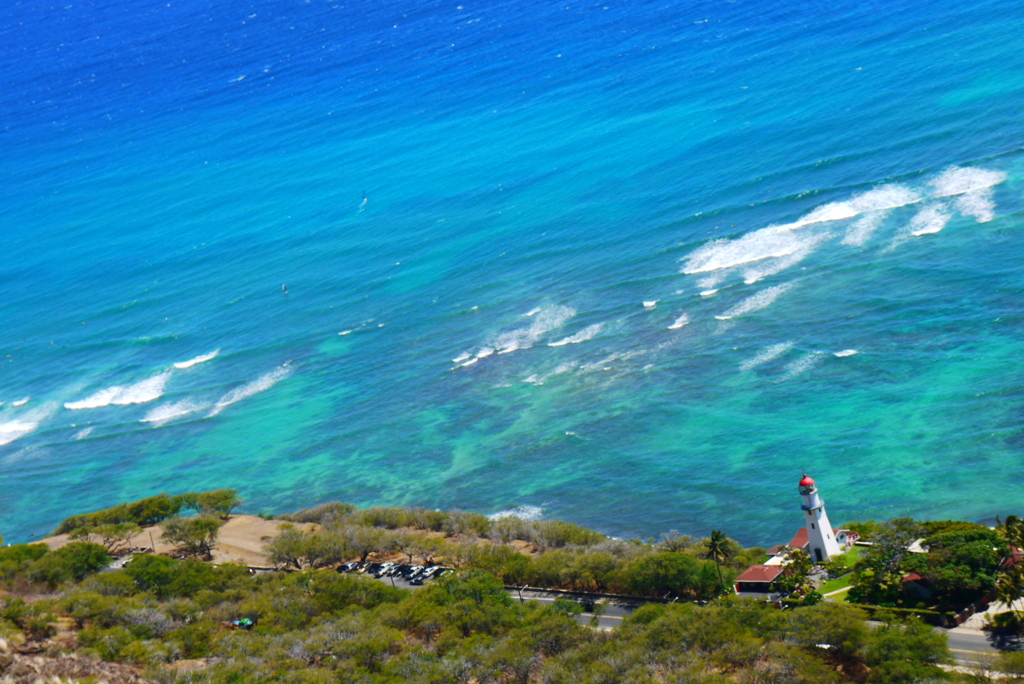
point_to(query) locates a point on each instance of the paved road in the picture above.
(970, 647)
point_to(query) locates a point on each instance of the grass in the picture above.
(837, 583)
(842, 596)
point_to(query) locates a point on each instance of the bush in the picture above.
(324, 514)
(155, 509)
(932, 617)
(15, 559)
(142, 512)
(197, 535)
(555, 534)
(69, 563)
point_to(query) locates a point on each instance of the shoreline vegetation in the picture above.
(184, 602)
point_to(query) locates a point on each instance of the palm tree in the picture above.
(719, 549)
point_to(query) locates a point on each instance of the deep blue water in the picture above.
(637, 265)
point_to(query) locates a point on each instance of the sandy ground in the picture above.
(241, 540)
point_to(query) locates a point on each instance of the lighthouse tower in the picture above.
(820, 536)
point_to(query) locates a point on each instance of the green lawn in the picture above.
(841, 596)
(836, 584)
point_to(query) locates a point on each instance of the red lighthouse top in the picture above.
(807, 481)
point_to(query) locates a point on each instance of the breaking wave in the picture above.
(141, 392)
(26, 423)
(260, 384)
(802, 365)
(682, 320)
(931, 219)
(957, 180)
(168, 412)
(756, 302)
(766, 355)
(582, 336)
(524, 512)
(197, 360)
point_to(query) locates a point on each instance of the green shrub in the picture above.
(69, 563)
(330, 512)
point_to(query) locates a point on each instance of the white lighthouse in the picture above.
(820, 537)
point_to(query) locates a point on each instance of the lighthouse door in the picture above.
(817, 554)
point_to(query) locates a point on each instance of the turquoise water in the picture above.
(634, 266)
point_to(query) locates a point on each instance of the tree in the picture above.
(216, 502)
(365, 540)
(197, 535)
(288, 548)
(795, 572)
(880, 573)
(838, 626)
(69, 563)
(116, 537)
(668, 573)
(718, 550)
(904, 653)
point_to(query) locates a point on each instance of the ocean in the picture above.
(637, 266)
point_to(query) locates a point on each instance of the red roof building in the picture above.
(758, 578)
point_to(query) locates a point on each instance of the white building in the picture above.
(821, 538)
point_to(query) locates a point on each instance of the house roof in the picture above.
(800, 541)
(912, 577)
(760, 573)
(1012, 559)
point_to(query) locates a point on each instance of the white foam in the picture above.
(564, 367)
(861, 230)
(20, 402)
(168, 412)
(470, 362)
(524, 512)
(345, 332)
(16, 429)
(651, 304)
(680, 322)
(197, 360)
(957, 181)
(762, 270)
(260, 384)
(25, 424)
(141, 392)
(978, 204)
(802, 365)
(931, 219)
(82, 434)
(708, 293)
(834, 211)
(845, 352)
(766, 243)
(533, 311)
(711, 281)
(883, 198)
(769, 353)
(545, 321)
(462, 357)
(756, 302)
(582, 336)
(484, 353)
(788, 242)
